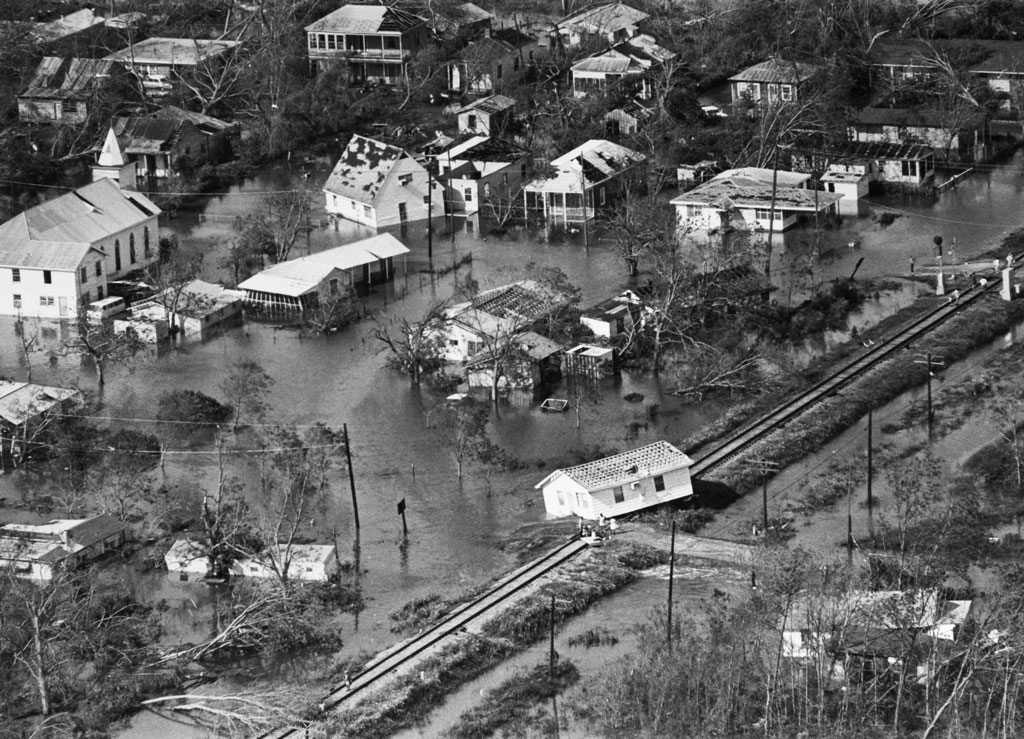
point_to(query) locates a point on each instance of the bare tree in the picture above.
(284, 217)
(171, 274)
(99, 343)
(414, 347)
(246, 387)
(638, 223)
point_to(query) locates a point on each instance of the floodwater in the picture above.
(456, 525)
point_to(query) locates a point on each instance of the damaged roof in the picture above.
(490, 105)
(604, 19)
(362, 169)
(600, 161)
(366, 19)
(147, 135)
(66, 78)
(620, 469)
(739, 188)
(486, 149)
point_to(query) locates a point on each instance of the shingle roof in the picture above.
(777, 71)
(620, 469)
(604, 18)
(490, 105)
(362, 169)
(184, 52)
(366, 19)
(59, 233)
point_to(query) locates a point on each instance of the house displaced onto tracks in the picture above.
(36, 552)
(620, 484)
(311, 562)
(307, 282)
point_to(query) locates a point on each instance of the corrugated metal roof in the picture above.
(884, 150)
(486, 149)
(65, 79)
(366, 19)
(362, 169)
(620, 469)
(777, 71)
(59, 233)
(146, 135)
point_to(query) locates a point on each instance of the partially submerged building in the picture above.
(188, 559)
(24, 406)
(63, 89)
(38, 552)
(379, 185)
(747, 198)
(481, 170)
(197, 309)
(307, 282)
(620, 484)
(376, 42)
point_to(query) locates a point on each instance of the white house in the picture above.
(620, 484)
(200, 308)
(743, 197)
(61, 253)
(613, 22)
(35, 552)
(24, 407)
(634, 57)
(313, 562)
(159, 61)
(613, 316)
(303, 283)
(483, 169)
(955, 137)
(584, 181)
(378, 185)
(772, 81)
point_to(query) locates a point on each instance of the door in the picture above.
(402, 214)
(62, 306)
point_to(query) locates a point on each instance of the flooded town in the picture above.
(556, 369)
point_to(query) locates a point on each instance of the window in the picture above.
(764, 214)
(15, 275)
(17, 301)
(659, 483)
(617, 494)
(471, 122)
(47, 277)
(405, 179)
(366, 211)
(603, 196)
(131, 248)
(468, 194)
(453, 342)
(99, 269)
(321, 41)
(499, 72)
(117, 255)
(334, 287)
(332, 42)
(83, 275)
(145, 242)
(402, 214)
(693, 211)
(45, 300)
(312, 40)
(787, 93)
(99, 292)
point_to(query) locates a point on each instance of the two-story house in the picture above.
(613, 22)
(483, 170)
(630, 58)
(486, 64)
(376, 41)
(61, 253)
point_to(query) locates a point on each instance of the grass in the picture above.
(524, 621)
(511, 702)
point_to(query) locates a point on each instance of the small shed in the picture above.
(620, 484)
(488, 116)
(589, 360)
(536, 358)
(613, 316)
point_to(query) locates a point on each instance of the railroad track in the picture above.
(402, 653)
(775, 420)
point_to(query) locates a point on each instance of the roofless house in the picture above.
(302, 284)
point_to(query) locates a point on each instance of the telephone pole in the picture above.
(929, 362)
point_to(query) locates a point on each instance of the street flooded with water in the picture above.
(457, 525)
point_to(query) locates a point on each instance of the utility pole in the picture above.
(583, 200)
(930, 362)
(351, 477)
(870, 458)
(430, 213)
(552, 655)
(771, 218)
(671, 577)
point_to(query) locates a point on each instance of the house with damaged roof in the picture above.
(489, 116)
(378, 185)
(613, 22)
(633, 58)
(377, 42)
(38, 552)
(619, 484)
(61, 253)
(753, 198)
(63, 89)
(482, 170)
(486, 64)
(582, 182)
(164, 143)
